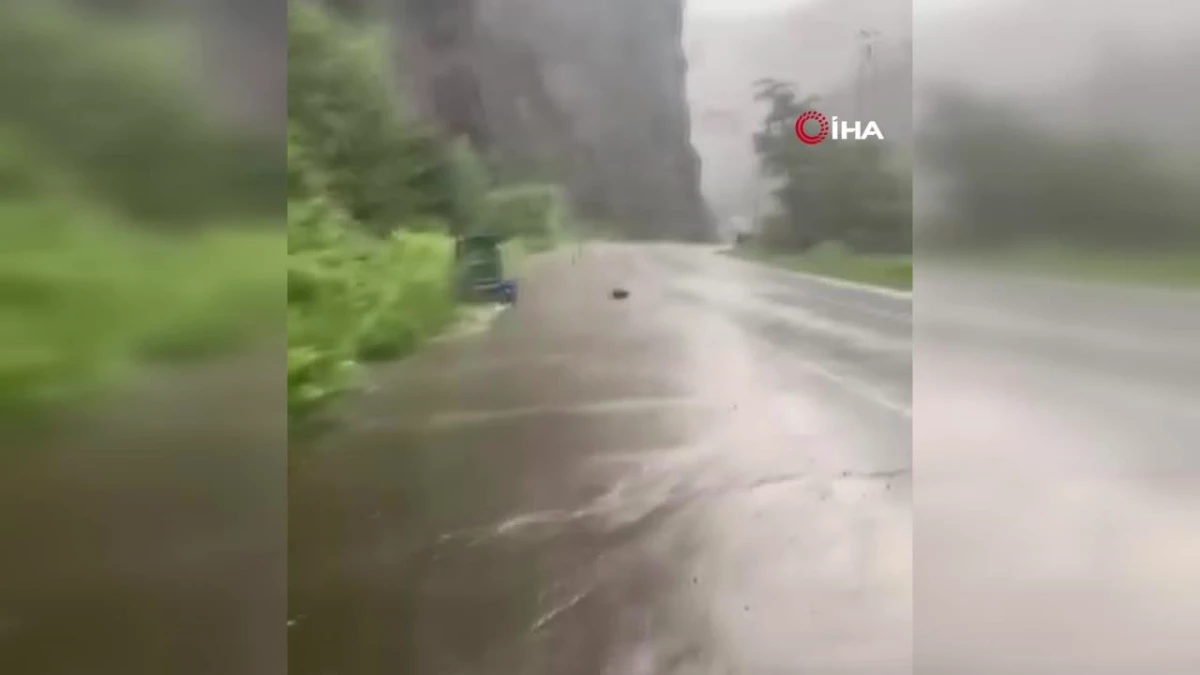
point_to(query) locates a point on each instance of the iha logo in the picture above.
(838, 131)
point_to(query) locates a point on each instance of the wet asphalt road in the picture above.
(710, 477)
(1058, 477)
(147, 534)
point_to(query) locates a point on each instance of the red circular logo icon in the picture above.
(822, 131)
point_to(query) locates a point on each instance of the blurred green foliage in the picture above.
(374, 202)
(472, 182)
(832, 259)
(127, 238)
(1015, 183)
(536, 213)
(113, 102)
(373, 199)
(84, 300)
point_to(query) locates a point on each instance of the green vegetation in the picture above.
(355, 298)
(374, 202)
(110, 104)
(833, 260)
(840, 209)
(125, 238)
(379, 169)
(535, 213)
(1166, 269)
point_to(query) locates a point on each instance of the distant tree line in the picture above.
(1013, 181)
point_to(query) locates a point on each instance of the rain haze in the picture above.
(525, 337)
(1058, 484)
(856, 56)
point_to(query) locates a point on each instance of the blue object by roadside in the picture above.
(508, 291)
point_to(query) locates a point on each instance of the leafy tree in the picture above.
(830, 191)
(380, 168)
(471, 182)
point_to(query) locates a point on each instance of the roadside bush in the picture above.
(352, 298)
(369, 269)
(85, 299)
(133, 227)
(67, 320)
(534, 212)
(225, 287)
(830, 251)
(326, 301)
(373, 202)
(413, 283)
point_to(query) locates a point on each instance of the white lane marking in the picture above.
(743, 265)
(798, 317)
(555, 611)
(807, 295)
(728, 298)
(866, 288)
(830, 281)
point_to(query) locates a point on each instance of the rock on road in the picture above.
(711, 476)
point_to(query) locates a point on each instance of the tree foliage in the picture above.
(109, 103)
(380, 168)
(535, 212)
(372, 198)
(828, 192)
(1013, 182)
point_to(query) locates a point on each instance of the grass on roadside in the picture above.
(891, 271)
(1165, 270)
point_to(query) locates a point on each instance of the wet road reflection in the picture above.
(711, 476)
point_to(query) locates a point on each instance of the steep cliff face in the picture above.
(589, 94)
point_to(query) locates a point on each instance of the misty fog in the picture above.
(802, 448)
(819, 46)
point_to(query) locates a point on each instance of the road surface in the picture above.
(148, 535)
(708, 477)
(1058, 477)
(711, 476)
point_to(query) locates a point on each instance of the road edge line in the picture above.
(832, 281)
(858, 286)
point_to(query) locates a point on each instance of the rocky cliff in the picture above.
(589, 94)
